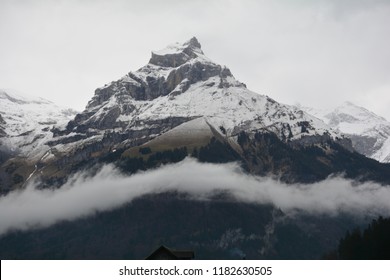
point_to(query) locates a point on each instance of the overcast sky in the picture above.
(317, 53)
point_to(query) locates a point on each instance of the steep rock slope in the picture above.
(177, 85)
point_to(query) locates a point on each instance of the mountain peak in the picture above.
(19, 98)
(193, 42)
(370, 133)
(358, 112)
(177, 54)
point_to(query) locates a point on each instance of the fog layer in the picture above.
(108, 189)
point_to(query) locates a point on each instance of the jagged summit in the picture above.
(170, 71)
(180, 84)
(177, 54)
(194, 43)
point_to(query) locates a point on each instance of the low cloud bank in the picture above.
(82, 196)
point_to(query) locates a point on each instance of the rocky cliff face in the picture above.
(169, 72)
(180, 81)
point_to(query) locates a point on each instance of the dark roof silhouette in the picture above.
(165, 253)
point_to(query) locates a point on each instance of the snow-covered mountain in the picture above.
(180, 84)
(26, 123)
(180, 103)
(370, 133)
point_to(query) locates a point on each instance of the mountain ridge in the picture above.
(26, 122)
(167, 75)
(369, 132)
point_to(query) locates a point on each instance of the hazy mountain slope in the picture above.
(370, 133)
(181, 82)
(26, 122)
(218, 229)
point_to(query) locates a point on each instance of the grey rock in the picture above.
(2, 121)
(2, 127)
(192, 47)
(363, 144)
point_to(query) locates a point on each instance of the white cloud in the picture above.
(109, 189)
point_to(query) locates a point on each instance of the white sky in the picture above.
(318, 53)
